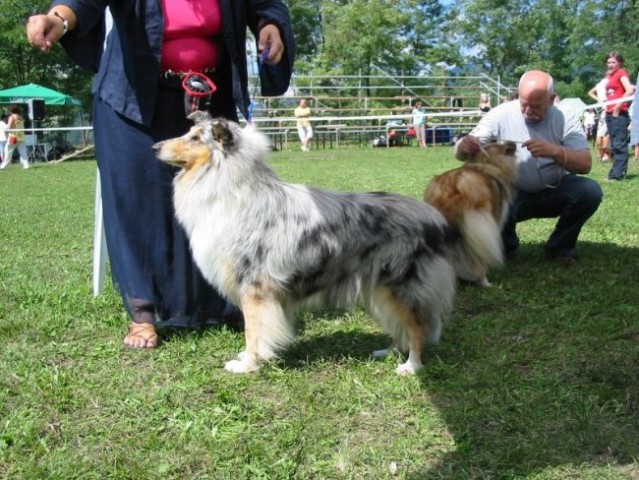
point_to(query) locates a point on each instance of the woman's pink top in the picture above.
(191, 28)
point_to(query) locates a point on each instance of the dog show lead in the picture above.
(139, 100)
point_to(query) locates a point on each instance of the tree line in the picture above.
(568, 38)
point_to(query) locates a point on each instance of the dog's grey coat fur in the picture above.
(272, 247)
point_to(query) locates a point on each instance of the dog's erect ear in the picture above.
(510, 148)
(199, 116)
(221, 132)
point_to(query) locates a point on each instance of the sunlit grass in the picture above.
(536, 378)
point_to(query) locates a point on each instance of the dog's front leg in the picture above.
(248, 360)
(267, 329)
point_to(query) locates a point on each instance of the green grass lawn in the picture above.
(535, 378)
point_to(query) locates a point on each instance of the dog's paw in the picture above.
(240, 366)
(244, 363)
(483, 282)
(408, 368)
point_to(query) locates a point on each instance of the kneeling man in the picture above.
(551, 151)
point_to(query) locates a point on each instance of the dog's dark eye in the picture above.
(195, 138)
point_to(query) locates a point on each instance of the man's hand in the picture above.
(466, 147)
(541, 148)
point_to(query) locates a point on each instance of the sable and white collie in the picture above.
(273, 247)
(475, 198)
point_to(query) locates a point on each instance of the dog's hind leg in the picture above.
(266, 330)
(416, 333)
(403, 325)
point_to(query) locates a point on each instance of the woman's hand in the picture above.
(269, 39)
(44, 31)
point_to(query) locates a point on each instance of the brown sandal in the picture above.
(141, 335)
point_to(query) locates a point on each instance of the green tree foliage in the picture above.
(431, 39)
(20, 63)
(616, 27)
(569, 38)
(402, 36)
(307, 26)
(359, 33)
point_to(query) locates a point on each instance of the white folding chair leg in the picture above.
(99, 242)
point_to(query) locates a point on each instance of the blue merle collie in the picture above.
(272, 247)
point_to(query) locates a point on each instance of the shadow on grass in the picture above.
(537, 375)
(334, 348)
(541, 372)
(330, 347)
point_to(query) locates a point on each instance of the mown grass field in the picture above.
(535, 378)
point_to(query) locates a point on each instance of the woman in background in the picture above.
(418, 122)
(3, 134)
(15, 140)
(618, 86)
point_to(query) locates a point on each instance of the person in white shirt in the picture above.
(551, 151)
(419, 123)
(15, 139)
(602, 141)
(3, 134)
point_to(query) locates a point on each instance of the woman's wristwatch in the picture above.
(65, 22)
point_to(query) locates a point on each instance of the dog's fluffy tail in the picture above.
(483, 236)
(480, 246)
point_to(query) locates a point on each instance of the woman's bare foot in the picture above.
(141, 335)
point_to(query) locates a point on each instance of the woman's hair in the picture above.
(14, 109)
(483, 97)
(616, 55)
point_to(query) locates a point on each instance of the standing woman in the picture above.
(419, 123)
(154, 48)
(15, 121)
(634, 120)
(618, 86)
